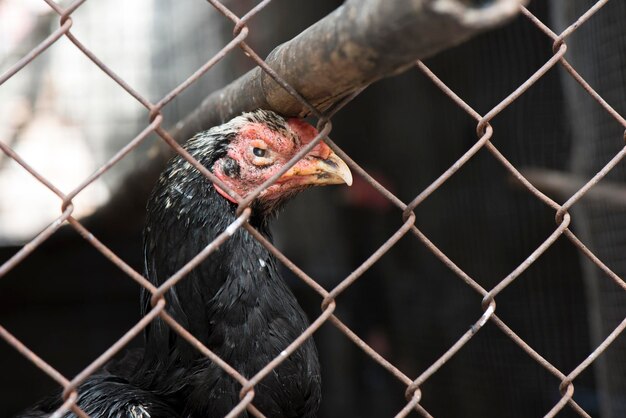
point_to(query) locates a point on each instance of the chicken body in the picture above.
(235, 301)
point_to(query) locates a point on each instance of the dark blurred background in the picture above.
(68, 303)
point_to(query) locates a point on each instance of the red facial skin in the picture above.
(279, 149)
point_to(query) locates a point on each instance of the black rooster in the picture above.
(235, 301)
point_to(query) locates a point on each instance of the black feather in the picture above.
(235, 302)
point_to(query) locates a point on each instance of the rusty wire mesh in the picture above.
(484, 134)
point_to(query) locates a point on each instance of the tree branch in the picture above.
(563, 185)
(359, 43)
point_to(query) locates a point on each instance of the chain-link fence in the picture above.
(566, 379)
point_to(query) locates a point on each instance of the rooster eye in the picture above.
(259, 152)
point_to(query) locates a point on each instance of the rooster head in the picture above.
(249, 149)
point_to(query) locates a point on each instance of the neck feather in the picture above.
(234, 302)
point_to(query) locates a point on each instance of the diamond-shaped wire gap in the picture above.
(76, 292)
(524, 388)
(115, 159)
(115, 348)
(239, 37)
(363, 265)
(118, 40)
(511, 98)
(599, 79)
(538, 379)
(427, 293)
(59, 123)
(367, 140)
(357, 169)
(560, 212)
(40, 158)
(176, 67)
(115, 238)
(547, 307)
(221, 54)
(448, 262)
(519, 91)
(88, 96)
(490, 376)
(478, 239)
(593, 125)
(198, 345)
(372, 259)
(539, 359)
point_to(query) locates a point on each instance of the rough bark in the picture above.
(359, 43)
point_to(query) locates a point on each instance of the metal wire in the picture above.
(485, 134)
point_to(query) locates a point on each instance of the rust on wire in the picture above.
(487, 138)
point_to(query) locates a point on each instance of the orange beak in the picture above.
(320, 167)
